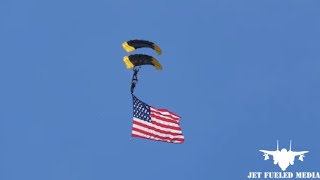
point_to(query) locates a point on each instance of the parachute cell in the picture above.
(131, 45)
(134, 60)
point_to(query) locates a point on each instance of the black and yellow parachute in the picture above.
(134, 60)
(132, 45)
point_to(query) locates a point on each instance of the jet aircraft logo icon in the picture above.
(283, 158)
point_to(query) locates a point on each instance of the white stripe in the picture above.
(156, 133)
(151, 137)
(165, 113)
(157, 127)
(164, 122)
(165, 117)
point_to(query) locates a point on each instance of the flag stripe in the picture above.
(155, 130)
(164, 125)
(165, 112)
(173, 125)
(139, 135)
(168, 118)
(154, 133)
(151, 135)
(161, 127)
(164, 119)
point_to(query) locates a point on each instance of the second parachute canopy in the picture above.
(134, 60)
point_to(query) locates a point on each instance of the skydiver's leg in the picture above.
(134, 79)
(133, 85)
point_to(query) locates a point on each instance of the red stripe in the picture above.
(164, 119)
(155, 129)
(166, 115)
(157, 136)
(178, 128)
(134, 135)
(153, 138)
(166, 110)
(166, 126)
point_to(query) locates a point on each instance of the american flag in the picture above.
(155, 124)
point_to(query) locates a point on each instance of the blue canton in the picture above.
(141, 110)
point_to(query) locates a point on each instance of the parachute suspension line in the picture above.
(134, 79)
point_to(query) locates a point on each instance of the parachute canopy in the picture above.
(131, 45)
(141, 59)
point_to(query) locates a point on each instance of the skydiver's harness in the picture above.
(134, 79)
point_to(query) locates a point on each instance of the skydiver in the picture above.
(134, 79)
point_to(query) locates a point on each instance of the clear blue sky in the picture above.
(242, 74)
